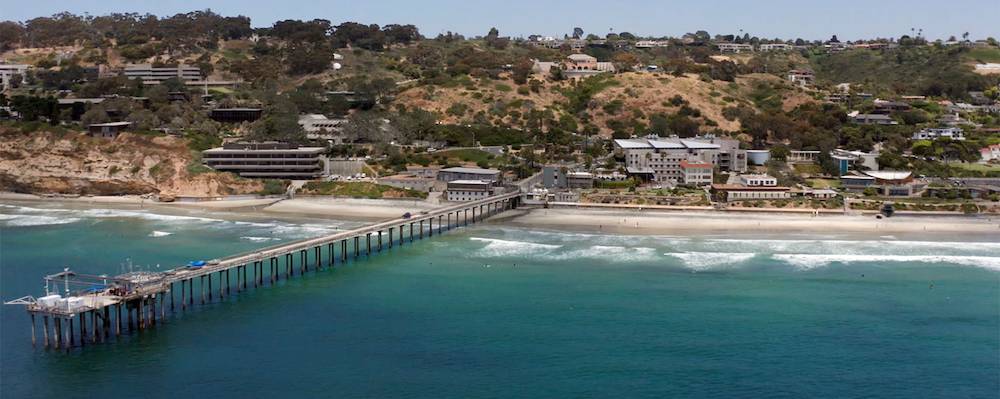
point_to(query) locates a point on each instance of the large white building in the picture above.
(151, 75)
(468, 190)
(953, 133)
(733, 47)
(7, 71)
(660, 160)
(267, 160)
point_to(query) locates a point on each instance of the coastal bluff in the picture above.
(72, 163)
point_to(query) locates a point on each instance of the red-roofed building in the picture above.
(991, 152)
(696, 173)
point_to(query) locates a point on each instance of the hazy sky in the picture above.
(785, 19)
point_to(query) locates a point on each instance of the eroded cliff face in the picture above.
(132, 164)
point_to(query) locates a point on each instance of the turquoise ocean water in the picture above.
(580, 315)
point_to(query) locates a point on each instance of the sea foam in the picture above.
(711, 260)
(811, 261)
(159, 234)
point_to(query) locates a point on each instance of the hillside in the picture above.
(133, 164)
(650, 93)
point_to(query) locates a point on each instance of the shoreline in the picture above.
(623, 221)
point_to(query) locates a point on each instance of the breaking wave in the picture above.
(35, 220)
(811, 261)
(711, 260)
(159, 234)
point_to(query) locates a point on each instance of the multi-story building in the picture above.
(267, 160)
(775, 47)
(7, 71)
(468, 190)
(733, 47)
(660, 160)
(151, 75)
(491, 176)
(932, 133)
(696, 173)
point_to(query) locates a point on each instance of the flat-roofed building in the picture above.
(732, 193)
(410, 182)
(151, 75)
(7, 71)
(468, 190)
(267, 160)
(236, 115)
(775, 47)
(319, 127)
(579, 180)
(659, 160)
(733, 47)
(493, 176)
(109, 130)
(696, 173)
(758, 181)
(933, 133)
(873, 119)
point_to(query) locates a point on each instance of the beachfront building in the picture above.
(409, 182)
(270, 160)
(151, 75)
(696, 173)
(659, 160)
(493, 176)
(554, 177)
(890, 183)
(732, 193)
(108, 131)
(468, 190)
(758, 181)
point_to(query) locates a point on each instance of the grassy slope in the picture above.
(360, 190)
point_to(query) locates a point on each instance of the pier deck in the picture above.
(139, 292)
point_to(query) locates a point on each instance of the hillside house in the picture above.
(108, 131)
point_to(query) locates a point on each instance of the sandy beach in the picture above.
(608, 220)
(665, 223)
(348, 208)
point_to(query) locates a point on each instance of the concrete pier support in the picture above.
(183, 303)
(401, 234)
(202, 290)
(368, 241)
(229, 284)
(256, 274)
(411, 231)
(421, 235)
(58, 331)
(329, 249)
(245, 276)
(239, 286)
(303, 260)
(357, 251)
(33, 341)
(390, 237)
(118, 321)
(439, 224)
(191, 291)
(319, 257)
(163, 311)
(209, 275)
(380, 240)
(221, 289)
(343, 251)
(70, 335)
(45, 330)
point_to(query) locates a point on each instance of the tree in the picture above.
(556, 73)
(834, 39)
(577, 33)
(624, 62)
(97, 114)
(492, 36)
(522, 70)
(780, 152)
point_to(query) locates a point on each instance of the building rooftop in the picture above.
(95, 100)
(698, 145)
(234, 109)
(696, 165)
(468, 182)
(472, 170)
(751, 188)
(632, 144)
(888, 174)
(581, 57)
(112, 124)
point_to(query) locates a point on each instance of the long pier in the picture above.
(97, 302)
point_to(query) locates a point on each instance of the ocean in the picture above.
(492, 311)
